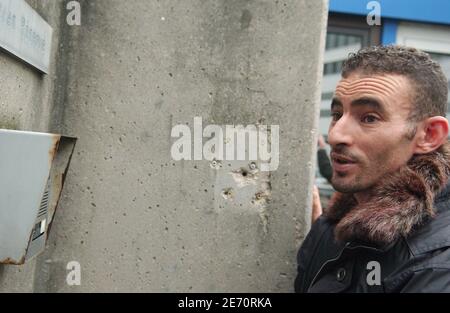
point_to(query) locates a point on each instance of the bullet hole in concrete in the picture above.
(261, 197)
(227, 193)
(243, 177)
(215, 164)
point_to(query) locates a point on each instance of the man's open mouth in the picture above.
(341, 159)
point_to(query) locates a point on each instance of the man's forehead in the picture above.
(384, 85)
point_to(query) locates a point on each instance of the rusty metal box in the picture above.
(33, 167)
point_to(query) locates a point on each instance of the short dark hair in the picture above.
(428, 82)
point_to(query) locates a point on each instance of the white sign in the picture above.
(24, 33)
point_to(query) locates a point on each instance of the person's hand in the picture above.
(316, 205)
(321, 142)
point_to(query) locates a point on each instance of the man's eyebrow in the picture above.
(335, 103)
(370, 102)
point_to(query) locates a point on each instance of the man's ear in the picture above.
(432, 134)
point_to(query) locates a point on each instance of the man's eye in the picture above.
(335, 116)
(369, 119)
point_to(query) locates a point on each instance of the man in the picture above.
(387, 229)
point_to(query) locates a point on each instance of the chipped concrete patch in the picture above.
(241, 188)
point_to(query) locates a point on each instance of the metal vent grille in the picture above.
(44, 204)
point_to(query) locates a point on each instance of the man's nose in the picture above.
(341, 132)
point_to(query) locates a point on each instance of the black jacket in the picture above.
(415, 261)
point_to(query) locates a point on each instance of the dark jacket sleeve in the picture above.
(325, 168)
(306, 254)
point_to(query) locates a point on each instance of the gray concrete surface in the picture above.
(135, 219)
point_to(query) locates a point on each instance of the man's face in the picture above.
(368, 130)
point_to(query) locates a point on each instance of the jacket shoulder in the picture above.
(428, 270)
(427, 273)
(433, 235)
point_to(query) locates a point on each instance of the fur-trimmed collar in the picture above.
(400, 205)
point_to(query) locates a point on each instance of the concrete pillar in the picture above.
(134, 218)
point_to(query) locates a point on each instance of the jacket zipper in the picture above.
(347, 244)
(325, 263)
